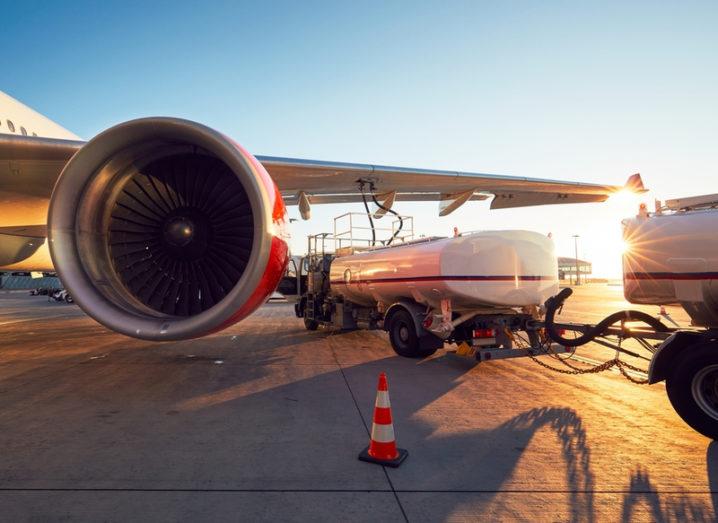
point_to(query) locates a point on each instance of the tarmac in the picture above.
(264, 422)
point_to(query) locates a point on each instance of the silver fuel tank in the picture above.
(673, 258)
(483, 269)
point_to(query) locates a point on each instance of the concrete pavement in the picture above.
(264, 422)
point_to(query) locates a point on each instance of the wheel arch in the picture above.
(416, 311)
(665, 357)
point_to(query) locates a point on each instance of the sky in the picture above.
(585, 91)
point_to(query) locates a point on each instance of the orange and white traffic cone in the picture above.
(382, 445)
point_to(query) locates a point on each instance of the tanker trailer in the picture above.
(672, 258)
(473, 289)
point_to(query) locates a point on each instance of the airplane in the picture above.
(165, 229)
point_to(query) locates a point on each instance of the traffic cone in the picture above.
(382, 444)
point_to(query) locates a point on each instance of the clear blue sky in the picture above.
(573, 90)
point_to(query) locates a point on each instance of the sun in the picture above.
(625, 246)
(625, 201)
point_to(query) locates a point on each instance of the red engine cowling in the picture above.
(164, 229)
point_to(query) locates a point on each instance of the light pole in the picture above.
(575, 245)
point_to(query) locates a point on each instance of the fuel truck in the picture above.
(495, 295)
(473, 289)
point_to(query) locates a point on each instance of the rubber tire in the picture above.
(68, 298)
(678, 386)
(311, 325)
(411, 348)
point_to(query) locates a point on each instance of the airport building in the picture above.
(567, 269)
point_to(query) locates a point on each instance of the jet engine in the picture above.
(164, 229)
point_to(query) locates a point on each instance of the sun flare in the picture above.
(625, 201)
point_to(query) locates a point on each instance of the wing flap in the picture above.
(509, 200)
(356, 197)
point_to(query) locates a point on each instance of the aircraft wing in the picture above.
(18, 244)
(334, 182)
(30, 165)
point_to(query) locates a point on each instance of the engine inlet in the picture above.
(181, 233)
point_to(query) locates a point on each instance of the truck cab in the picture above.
(294, 281)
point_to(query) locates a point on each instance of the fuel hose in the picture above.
(392, 211)
(368, 215)
(556, 302)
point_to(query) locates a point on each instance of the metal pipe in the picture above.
(444, 329)
(575, 245)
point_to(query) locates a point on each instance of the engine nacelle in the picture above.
(164, 229)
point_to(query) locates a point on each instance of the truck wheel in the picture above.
(403, 337)
(693, 388)
(311, 325)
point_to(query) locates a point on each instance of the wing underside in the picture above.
(332, 182)
(24, 248)
(29, 166)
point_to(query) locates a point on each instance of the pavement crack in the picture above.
(366, 426)
(355, 490)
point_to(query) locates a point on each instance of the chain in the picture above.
(602, 367)
(575, 370)
(620, 365)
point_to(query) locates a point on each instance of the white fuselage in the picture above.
(484, 269)
(18, 119)
(21, 206)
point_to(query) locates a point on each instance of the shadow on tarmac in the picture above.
(679, 509)
(494, 454)
(567, 425)
(643, 494)
(286, 416)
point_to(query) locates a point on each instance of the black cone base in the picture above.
(394, 463)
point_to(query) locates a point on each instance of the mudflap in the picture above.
(430, 342)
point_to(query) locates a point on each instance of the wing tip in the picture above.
(635, 184)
